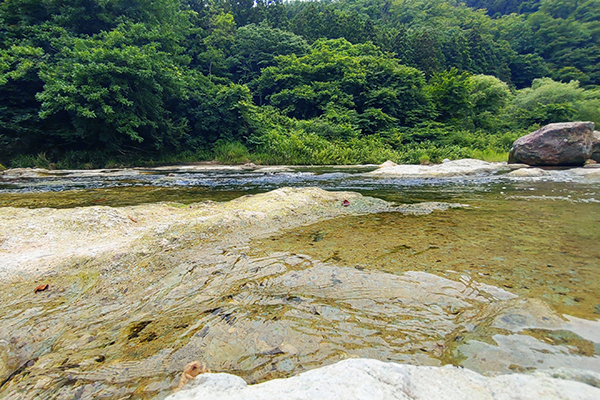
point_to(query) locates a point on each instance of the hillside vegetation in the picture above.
(100, 83)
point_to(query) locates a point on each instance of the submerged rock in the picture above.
(567, 143)
(366, 379)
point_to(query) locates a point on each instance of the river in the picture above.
(507, 280)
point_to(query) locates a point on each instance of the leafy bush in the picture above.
(231, 152)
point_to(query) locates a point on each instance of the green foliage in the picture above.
(30, 161)
(217, 44)
(217, 112)
(357, 77)
(550, 101)
(566, 34)
(488, 93)
(256, 46)
(115, 90)
(451, 92)
(324, 20)
(90, 83)
(231, 152)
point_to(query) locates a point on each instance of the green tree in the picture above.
(488, 93)
(316, 20)
(256, 46)
(551, 101)
(451, 91)
(115, 91)
(91, 73)
(356, 77)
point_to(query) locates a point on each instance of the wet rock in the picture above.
(526, 351)
(36, 241)
(455, 168)
(371, 379)
(595, 146)
(8, 360)
(567, 143)
(592, 174)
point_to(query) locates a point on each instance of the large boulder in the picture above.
(565, 143)
(595, 146)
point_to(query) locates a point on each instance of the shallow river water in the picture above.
(508, 283)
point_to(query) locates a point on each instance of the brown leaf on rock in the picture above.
(40, 288)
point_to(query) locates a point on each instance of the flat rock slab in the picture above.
(367, 379)
(455, 168)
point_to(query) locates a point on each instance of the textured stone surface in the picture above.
(34, 241)
(567, 143)
(595, 146)
(367, 379)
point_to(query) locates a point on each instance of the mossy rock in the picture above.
(2, 167)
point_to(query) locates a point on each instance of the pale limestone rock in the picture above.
(527, 173)
(388, 164)
(587, 173)
(455, 168)
(367, 379)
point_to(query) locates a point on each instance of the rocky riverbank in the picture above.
(114, 302)
(466, 168)
(110, 297)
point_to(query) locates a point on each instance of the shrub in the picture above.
(231, 152)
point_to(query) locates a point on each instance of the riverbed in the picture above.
(150, 269)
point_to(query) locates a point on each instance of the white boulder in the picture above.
(367, 379)
(454, 168)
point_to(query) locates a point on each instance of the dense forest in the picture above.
(101, 83)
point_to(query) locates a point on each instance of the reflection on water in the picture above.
(485, 287)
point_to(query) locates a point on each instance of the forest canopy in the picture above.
(94, 83)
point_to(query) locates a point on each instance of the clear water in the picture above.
(509, 284)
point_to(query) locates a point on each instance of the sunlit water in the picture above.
(508, 284)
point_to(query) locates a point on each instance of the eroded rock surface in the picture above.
(367, 379)
(135, 293)
(595, 147)
(564, 144)
(35, 241)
